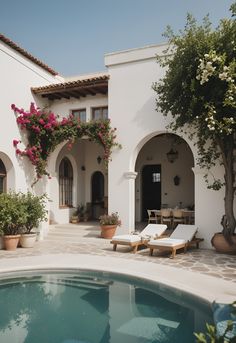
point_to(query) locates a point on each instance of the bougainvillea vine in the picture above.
(45, 131)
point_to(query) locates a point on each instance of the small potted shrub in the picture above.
(78, 214)
(74, 218)
(13, 216)
(109, 223)
(35, 213)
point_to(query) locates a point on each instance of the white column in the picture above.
(131, 176)
(209, 207)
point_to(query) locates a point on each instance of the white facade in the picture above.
(140, 129)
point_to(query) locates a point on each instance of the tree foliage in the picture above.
(199, 91)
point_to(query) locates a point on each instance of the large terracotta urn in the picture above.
(222, 245)
(108, 231)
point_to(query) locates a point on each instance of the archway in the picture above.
(97, 188)
(165, 177)
(7, 173)
(3, 177)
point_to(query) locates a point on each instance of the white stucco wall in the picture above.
(18, 75)
(133, 109)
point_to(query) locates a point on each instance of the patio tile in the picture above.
(84, 239)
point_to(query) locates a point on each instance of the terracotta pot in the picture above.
(11, 241)
(1, 243)
(28, 240)
(108, 231)
(222, 246)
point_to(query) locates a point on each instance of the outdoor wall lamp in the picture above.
(99, 159)
(176, 180)
(172, 155)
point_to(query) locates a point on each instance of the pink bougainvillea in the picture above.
(45, 131)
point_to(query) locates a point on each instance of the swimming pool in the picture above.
(71, 306)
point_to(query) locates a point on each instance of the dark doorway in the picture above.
(97, 194)
(151, 188)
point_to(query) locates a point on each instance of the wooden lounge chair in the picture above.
(135, 240)
(181, 238)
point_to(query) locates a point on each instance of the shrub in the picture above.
(110, 219)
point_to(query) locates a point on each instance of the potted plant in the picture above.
(109, 223)
(78, 214)
(74, 218)
(35, 213)
(13, 216)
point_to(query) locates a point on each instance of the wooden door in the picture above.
(151, 188)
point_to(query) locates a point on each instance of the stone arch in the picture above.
(170, 194)
(10, 171)
(148, 137)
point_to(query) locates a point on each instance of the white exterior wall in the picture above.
(133, 109)
(18, 75)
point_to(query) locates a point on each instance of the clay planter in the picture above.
(1, 243)
(222, 246)
(108, 231)
(74, 220)
(28, 240)
(11, 241)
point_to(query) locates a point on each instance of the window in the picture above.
(65, 183)
(156, 177)
(99, 113)
(3, 177)
(80, 114)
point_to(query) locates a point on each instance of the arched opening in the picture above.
(3, 177)
(65, 183)
(165, 177)
(97, 194)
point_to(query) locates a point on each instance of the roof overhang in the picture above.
(74, 89)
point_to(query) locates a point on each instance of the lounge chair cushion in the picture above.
(127, 238)
(150, 231)
(153, 230)
(167, 242)
(184, 231)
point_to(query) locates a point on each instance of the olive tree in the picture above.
(199, 91)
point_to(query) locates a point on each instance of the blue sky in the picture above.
(72, 36)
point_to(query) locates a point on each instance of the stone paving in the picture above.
(84, 239)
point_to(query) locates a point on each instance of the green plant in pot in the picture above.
(13, 217)
(109, 223)
(35, 214)
(79, 214)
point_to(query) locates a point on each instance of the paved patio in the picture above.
(84, 239)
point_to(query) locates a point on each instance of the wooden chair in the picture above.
(166, 217)
(177, 217)
(153, 216)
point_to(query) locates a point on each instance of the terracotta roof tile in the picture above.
(23, 52)
(71, 84)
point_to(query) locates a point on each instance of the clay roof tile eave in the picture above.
(26, 54)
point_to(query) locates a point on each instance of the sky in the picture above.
(72, 36)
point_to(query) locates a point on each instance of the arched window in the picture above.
(3, 177)
(65, 183)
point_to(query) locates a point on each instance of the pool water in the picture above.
(96, 307)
